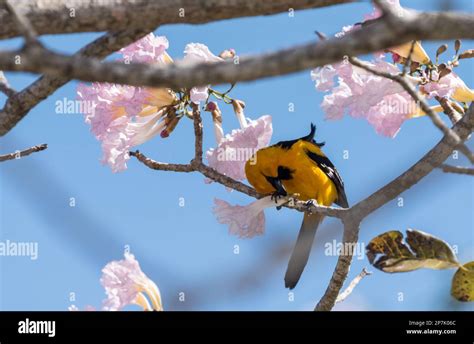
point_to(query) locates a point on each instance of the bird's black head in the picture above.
(310, 137)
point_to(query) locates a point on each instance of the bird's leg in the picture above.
(279, 189)
(310, 203)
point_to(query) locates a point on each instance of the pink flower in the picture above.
(199, 94)
(376, 12)
(126, 132)
(450, 86)
(3, 79)
(122, 116)
(102, 103)
(125, 284)
(149, 49)
(233, 151)
(199, 53)
(244, 221)
(419, 55)
(382, 102)
(324, 77)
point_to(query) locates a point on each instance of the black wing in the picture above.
(328, 168)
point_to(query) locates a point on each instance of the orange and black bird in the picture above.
(298, 167)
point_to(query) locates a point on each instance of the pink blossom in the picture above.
(199, 53)
(233, 151)
(125, 284)
(3, 79)
(359, 93)
(324, 77)
(450, 86)
(245, 221)
(127, 132)
(199, 94)
(122, 116)
(376, 12)
(103, 103)
(149, 49)
(382, 102)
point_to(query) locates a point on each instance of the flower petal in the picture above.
(230, 156)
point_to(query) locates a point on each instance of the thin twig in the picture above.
(23, 24)
(406, 65)
(23, 153)
(448, 109)
(197, 124)
(457, 169)
(6, 89)
(161, 166)
(342, 296)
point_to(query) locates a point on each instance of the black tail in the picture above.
(304, 242)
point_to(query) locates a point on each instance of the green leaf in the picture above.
(388, 252)
(462, 287)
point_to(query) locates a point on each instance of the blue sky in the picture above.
(184, 249)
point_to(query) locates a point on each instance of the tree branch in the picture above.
(457, 169)
(58, 16)
(19, 104)
(342, 296)
(161, 166)
(22, 24)
(197, 123)
(448, 109)
(374, 37)
(434, 158)
(23, 153)
(5, 87)
(350, 237)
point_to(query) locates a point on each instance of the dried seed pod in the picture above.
(445, 72)
(457, 45)
(441, 49)
(467, 54)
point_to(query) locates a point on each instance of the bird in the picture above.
(298, 167)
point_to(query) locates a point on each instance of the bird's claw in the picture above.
(276, 196)
(310, 203)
